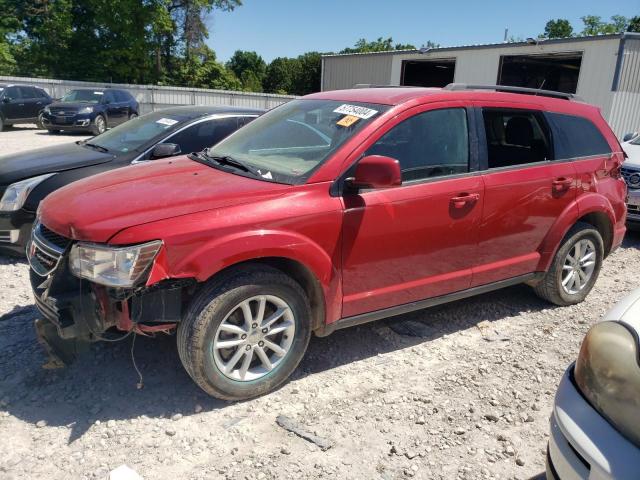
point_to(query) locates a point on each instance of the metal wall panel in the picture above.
(347, 71)
(630, 72)
(154, 97)
(625, 113)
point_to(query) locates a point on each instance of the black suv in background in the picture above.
(92, 109)
(21, 104)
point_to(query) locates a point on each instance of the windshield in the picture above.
(89, 96)
(635, 141)
(289, 142)
(136, 132)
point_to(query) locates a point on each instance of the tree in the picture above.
(250, 68)
(634, 24)
(594, 25)
(559, 28)
(280, 74)
(307, 76)
(379, 45)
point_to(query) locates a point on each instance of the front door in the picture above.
(418, 240)
(526, 190)
(13, 104)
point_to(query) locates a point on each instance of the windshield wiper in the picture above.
(100, 148)
(233, 162)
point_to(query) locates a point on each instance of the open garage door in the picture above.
(428, 73)
(557, 72)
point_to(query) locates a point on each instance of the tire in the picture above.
(551, 286)
(40, 123)
(2, 125)
(99, 125)
(200, 333)
(133, 115)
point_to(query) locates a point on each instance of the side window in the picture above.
(41, 93)
(576, 137)
(516, 137)
(204, 134)
(13, 93)
(429, 144)
(109, 97)
(27, 92)
(121, 96)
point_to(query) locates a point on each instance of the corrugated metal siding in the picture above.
(630, 71)
(625, 113)
(345, 72)
(153, 97)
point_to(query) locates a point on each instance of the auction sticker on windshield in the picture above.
(167, 121)
(356, 111)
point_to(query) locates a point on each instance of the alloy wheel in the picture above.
(100, 124)
(578, 266)
(254, 338)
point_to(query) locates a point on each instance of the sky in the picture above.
(288, 28)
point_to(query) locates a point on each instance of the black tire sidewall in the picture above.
(594, 236)
(216, 382)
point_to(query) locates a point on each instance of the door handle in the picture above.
(464, 198)
(562, 183)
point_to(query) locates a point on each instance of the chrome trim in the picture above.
(9, 236)
(38, 248)
(215, 116)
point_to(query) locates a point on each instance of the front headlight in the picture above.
(608, 374)
(47, 110)
(112, 266)
(86, 110)
(16, 194)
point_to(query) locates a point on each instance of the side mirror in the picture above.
(162, 150)
(628, 136)
(377, 171)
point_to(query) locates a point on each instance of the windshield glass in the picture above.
(89, 96)
(635, 141)
(289, 142)
(136, 132)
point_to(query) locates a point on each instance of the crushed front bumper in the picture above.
(583, 445)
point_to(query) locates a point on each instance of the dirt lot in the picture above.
(26, 137)
(468, 397)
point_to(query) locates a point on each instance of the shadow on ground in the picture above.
(102, 384)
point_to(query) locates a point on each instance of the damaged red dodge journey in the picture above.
(330, 211)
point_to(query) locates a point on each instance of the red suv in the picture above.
(333, 210)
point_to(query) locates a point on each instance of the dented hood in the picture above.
(98, 207)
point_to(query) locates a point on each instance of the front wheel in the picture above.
(242, 337)
(133, 115)
(99, 125)
(575, 267)
(40, 122)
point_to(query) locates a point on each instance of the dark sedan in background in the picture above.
(21, 104)
(92, 110)
(26, 178)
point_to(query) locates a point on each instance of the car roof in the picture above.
(196, 111)
(400, 95)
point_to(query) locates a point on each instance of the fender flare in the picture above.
(583, 205)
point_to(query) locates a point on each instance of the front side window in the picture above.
(88, 96)
(137, 132)
(515, 137)
(429, 144)
(28, 92)
(577, 137)
(289, 142)
(12, 93)
(204, 134)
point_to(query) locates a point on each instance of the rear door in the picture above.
(418, 240)
(30, 100)
(113, 108)
(526, 189)
(13, 106)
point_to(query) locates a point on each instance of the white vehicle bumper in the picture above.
(583, 445)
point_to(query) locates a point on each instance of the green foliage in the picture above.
(558, 28)
(250, 68)
(634, 24)
(379, 45)
(594, 25)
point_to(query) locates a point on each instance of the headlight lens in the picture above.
(112, 266)
(86, 110)
(608, 374)
(16, 194)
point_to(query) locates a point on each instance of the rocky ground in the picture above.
(467, 396)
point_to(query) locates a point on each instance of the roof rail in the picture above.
(506, 88)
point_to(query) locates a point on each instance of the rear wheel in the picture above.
(243, 336)
(133, 115)
(575, 267)
(2, 124)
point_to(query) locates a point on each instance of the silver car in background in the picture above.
(595, 424)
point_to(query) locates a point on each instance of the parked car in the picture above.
(332, 210)
(631, 174)
(595, 432)
(92, 110)
(21, 104)
(26, 178)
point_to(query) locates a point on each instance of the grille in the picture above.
(62, 111)
(9, 236)
(633, 208)
(53, 238)
(632, 177)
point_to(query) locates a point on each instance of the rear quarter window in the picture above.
(575, 137)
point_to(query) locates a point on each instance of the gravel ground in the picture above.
(458, 391)
(468, 397)
(26, 137)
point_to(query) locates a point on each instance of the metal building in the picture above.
(604, 70)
